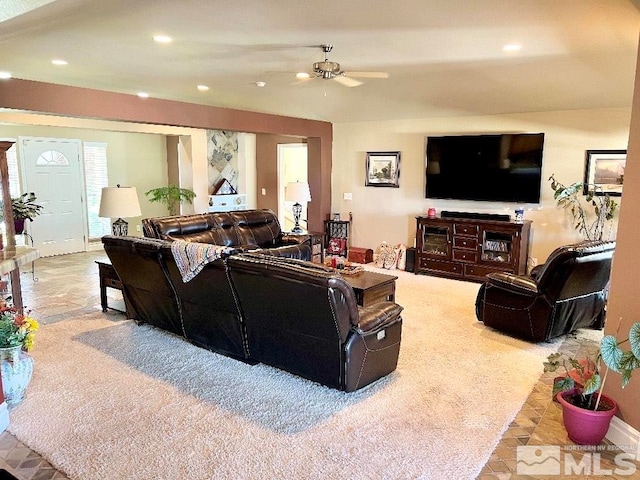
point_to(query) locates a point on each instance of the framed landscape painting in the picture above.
(383, 169)
(604, 172)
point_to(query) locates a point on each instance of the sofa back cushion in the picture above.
(231, 229)
(576, 270)
(257, 227)
(214, 228)
(147, 290)
(211, 315)
(297, 315)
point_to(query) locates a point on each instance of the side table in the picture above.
(372, 287)
(108, 278)
(317, 244)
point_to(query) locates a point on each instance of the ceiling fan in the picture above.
(329, 70)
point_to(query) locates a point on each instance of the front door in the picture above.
(52, 169)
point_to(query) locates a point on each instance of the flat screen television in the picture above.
(495, 168)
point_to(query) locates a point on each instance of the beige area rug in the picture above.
(113, 400)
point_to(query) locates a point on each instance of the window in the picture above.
(95, 173)
(14, 178)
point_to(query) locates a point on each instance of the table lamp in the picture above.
(297, 192)
(118, 202)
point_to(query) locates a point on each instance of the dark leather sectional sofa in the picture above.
(288, 313)
(244, 229)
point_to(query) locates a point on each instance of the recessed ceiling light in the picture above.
(5, 75)
(260, 84)
(143, 94)
(59, 62)
(512, 47)
(203, 88)
(162, 39)
(302, 75)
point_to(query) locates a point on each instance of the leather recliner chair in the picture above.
(567, 292)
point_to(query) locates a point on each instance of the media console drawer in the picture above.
(465, 229)
(441, 266)
(465, 256)
(465, 242)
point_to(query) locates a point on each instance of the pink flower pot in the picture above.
(586, 427)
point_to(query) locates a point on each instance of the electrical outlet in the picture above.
(348, 196)
(264, 191)
(137, 228)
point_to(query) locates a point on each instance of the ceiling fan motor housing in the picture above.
(326, 69)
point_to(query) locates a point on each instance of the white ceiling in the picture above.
(444, 57)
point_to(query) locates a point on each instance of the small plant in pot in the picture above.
(24, 208)
(586, 411)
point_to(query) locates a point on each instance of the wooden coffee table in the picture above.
(372, 287)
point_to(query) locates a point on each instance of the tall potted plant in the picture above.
(586, 411)
(592, 213)
(172, 196)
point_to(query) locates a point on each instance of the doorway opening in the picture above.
(292, 167)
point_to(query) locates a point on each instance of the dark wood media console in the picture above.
(469, 249)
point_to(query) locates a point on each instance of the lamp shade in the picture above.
(297, 192)
(119, 202)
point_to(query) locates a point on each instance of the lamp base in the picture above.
(297, 211)
(120, 228)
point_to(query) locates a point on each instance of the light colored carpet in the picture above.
(119, 401)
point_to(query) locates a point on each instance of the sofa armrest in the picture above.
(515, 283)
(377, 317)
(535, 271)
(288, 239)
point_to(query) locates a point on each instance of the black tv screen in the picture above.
(495, 168)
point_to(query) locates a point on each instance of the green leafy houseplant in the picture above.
(584, 375)
(24, 207)
(591, 225)
(172, 196)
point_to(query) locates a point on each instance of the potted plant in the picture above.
(586, 411)
(591, 224)
(172, 196)
(16, 339)
(24, 208)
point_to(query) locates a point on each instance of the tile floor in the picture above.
(68, 285)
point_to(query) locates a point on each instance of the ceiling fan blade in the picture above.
(367, 74)
(347, 82)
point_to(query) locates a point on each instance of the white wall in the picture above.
(389, 213)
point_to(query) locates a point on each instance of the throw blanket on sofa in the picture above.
(192, 257)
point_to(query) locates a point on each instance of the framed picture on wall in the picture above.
(383, 169)
(604, 172)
